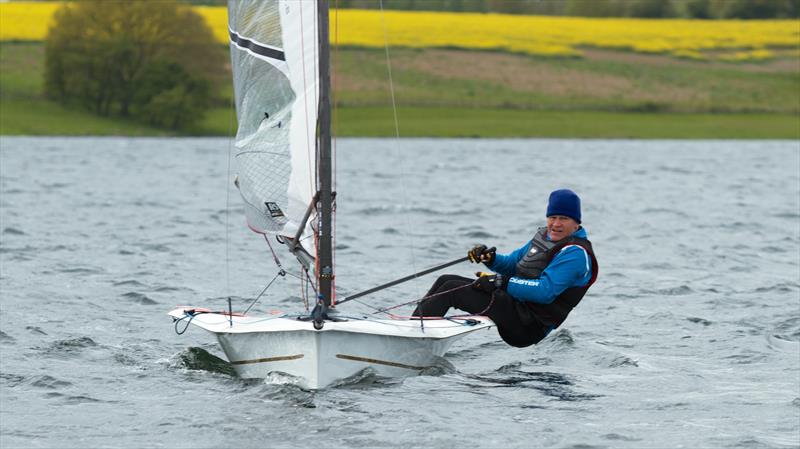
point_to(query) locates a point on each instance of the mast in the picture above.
(325, 253)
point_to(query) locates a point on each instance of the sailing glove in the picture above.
(482, 254)
(488, 283)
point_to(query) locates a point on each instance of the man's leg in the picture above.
(438, 302)
(441, 280)
(510, 326)
(502, 309)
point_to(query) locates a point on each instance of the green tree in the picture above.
(168, 96)
(597, 8)
(699, 9)
(761, 9)
(655, 9)
(110, 58)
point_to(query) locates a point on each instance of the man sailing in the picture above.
(534, 288)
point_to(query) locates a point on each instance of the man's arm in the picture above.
(506, 264)
(571, 267)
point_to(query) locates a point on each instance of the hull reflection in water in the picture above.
(259, 346)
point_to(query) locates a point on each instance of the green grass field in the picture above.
(456, 93)
(449, 122)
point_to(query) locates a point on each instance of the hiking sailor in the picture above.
(535, 287)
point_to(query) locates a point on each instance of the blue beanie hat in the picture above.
(564, 202)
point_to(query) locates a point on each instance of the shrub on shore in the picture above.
(153, 61)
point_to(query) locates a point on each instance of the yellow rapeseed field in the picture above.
(26, 21)
(732, 40)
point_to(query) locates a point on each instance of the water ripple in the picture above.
(478, 235)
(48, 382)
(788, 329)
(139, 298)
(661, 210)
(128, 283)
(560, 341)
(70, 345)
(81, 270)
(616, 361)
(668, 291)
(5, 338)
(395, 209)
(11, 380)
(555, 385)
(782, 287)
(618, 437)
(697, 320)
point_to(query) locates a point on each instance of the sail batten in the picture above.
(256, 47)
(275, 77)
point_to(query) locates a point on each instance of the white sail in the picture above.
(275, 78)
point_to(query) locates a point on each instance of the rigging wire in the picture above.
(403, 175)
(280, 273)
(334, 135)
(231, 138)
(304, 290)
(313, 173)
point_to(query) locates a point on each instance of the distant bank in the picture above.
(462, 93)
(43, 118)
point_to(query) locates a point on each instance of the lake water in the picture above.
(690, 338)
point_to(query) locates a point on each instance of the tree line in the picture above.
(693, 9)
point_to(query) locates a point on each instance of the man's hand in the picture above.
(482, 254)
(488, 282)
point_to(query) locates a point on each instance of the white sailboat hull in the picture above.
(259, 347)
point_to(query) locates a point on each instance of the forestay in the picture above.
(275, 79)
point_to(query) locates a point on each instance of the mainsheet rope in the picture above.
(418, 301)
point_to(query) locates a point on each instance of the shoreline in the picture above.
(25, 119)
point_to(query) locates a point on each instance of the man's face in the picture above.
(559, 226)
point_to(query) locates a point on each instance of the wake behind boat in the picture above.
(281, 76)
